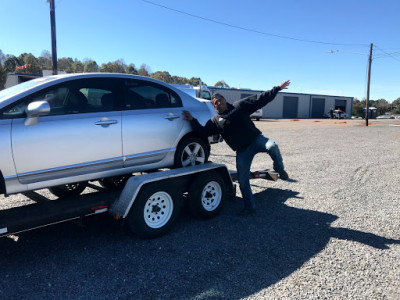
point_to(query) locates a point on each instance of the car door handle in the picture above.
(171, 116)
(106, 123)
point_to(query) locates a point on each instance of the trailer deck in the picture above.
(119, 203)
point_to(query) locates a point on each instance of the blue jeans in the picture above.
(243, 163)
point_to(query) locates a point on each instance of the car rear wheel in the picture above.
(191, 151)
(67, 190)
(114, 183)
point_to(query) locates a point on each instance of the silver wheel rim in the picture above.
(158, 209)
(211, 196)
(193, 154)
(71, 186)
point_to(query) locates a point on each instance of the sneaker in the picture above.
(283, 175)
(246, 212)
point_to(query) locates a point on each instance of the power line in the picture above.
(388, 54)
(249, 29)
(342, 51)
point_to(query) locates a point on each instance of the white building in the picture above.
(292, 105)
(17, 78)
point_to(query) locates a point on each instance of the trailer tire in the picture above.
(68, 190)
(191, 151)
(154, 211)
(206, 195)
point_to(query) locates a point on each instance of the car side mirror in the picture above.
(34, 110)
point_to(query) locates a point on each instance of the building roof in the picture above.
(260, 91)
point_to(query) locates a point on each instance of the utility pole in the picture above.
(368, 84)
(53, 36)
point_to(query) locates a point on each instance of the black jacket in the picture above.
(235, 125)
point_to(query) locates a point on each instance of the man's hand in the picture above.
(187, 115)
(284, 85)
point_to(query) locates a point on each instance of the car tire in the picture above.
(68, 190)
(191, 151)
(257, 119)
(206, 195)
(114, 183)
(154, 211)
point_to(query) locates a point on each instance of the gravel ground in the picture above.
(331, 232)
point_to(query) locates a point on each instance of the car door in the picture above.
(81, 134)
(152, 122)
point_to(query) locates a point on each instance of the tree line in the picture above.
(382, 106)
(28, 63)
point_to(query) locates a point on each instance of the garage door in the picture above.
(318, 107)
(340, 104)
(290, 106)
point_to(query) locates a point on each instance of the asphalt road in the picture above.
(331, 232)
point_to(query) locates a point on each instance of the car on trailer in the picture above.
(59, 132)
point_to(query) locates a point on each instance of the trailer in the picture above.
(149, 203)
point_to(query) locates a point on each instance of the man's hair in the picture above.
(217, 96)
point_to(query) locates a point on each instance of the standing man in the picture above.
(331, 113)
(234, 124)
(340, 113)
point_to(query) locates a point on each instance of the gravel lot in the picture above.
(332, 232)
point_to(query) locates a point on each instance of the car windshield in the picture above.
(6, 93)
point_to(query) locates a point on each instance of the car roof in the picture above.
(31, 86)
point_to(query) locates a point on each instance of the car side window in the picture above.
(145, 95)
(54, 96)
(99, 99)
(78, 96)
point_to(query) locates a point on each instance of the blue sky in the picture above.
(252, 56)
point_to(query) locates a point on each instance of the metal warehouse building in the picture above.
(292, 105)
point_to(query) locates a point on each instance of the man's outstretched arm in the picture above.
(252, 103)
(284, 85)
(205, 131)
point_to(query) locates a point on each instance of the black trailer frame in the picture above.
(194, 180)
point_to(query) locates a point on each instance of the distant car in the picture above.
(194, 91)
(257, 114)
(385, 117)
(343, 115)
(59, 132)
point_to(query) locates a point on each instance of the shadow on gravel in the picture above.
(35, 196)
(226, 257)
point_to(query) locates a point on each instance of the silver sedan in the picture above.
(59, 132)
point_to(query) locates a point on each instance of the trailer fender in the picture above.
(176, 177)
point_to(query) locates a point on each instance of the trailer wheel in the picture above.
(206, 195)
(114, 183)
(154, 211)
(191, 151)
(67, 190)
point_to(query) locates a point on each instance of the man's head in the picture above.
(219, 103)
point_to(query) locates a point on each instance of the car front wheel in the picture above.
(191, 151)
